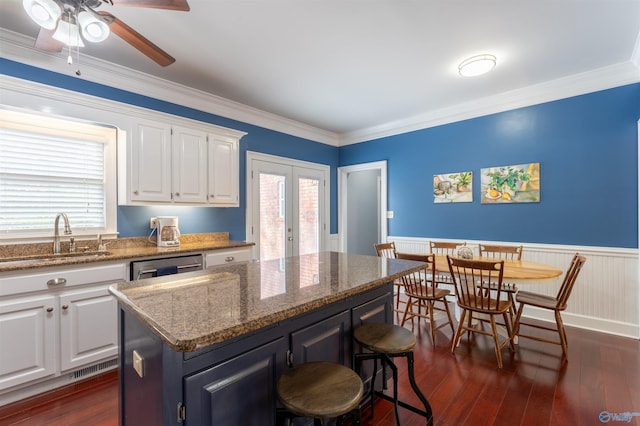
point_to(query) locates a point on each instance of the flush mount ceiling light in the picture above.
(477, 65)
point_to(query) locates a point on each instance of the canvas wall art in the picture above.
(510, 184)
(453, 188)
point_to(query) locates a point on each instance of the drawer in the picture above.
(61, 278)
(222, 257)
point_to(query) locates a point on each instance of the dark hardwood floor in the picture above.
(533, 388)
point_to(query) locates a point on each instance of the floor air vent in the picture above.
(94, 369)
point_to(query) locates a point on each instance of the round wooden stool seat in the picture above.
(384, 338)
(319, 390)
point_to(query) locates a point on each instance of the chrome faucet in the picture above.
(56, 232)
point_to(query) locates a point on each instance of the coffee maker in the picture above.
(168, 232)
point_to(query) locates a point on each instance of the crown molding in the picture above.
(19, 48)
(574, 85)
(635, 56)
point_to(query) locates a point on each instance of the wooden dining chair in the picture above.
(472, 280)
(422, 291)
(443, 248)
(388, 250)
(509, 253)
(500, 252)
(556, 304)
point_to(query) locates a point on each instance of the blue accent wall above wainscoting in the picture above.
(587, 147)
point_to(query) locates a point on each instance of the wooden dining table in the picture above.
(515, 271)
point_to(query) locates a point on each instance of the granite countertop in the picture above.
(198, 309)
(29, 256)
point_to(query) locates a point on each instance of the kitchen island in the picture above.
(206, 348)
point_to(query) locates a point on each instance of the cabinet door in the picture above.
(240, 391)
(327, 340)
(223, 170)
(27, 339)
(189, 174)
(151, 162)
(88, 327)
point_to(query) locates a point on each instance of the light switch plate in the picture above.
(138, 363)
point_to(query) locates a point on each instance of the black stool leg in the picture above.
(417, 390)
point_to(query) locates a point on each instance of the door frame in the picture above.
(343, 174)
(325, 169)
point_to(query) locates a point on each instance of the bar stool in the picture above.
(388, 341)
(319, 390)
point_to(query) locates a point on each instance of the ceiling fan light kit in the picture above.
(68, 33)
(70, 22)
(477, 65)
(93, 29)
(43, 12)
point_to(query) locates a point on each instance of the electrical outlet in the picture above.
(153, 222)
(390, 214)
(138, 363)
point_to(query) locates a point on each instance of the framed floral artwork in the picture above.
(510, 184)
(453, 188)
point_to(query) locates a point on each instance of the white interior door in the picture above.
(288, 203)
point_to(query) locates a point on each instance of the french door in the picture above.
(287, 203)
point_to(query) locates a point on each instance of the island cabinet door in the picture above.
(327, 340)
(240, 391)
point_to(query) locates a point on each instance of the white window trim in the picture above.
(106, 134)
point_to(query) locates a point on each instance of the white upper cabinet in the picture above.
(150, 162)
(189, 174)
(223, 170)
(179, 164)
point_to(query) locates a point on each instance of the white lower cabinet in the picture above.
(227, 256)
(88, 327)
(54, 322)
(27, 338)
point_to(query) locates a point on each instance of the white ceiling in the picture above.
(344, 66)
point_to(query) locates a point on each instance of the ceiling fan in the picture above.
(71, 22)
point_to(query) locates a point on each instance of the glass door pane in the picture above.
(272, 216)
(308, 215)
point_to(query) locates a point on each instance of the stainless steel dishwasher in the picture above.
(149, 268)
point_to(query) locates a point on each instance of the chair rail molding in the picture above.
(605, 297)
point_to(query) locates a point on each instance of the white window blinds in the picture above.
(47, 168)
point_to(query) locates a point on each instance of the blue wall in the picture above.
(586, 147)
(134, 220)
(587, 150)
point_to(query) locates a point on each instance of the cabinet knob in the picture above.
(135, 192)
(49, 309)
(177, 194)
(229, 259)
(65, 307)
(212, 196)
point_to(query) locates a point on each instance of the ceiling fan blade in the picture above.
(137, 40)
(45, 41)
(156, 4)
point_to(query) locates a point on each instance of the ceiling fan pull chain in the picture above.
(69, 59)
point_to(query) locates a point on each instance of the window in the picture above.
(50, 166)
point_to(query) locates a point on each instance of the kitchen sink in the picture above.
(53, 257)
